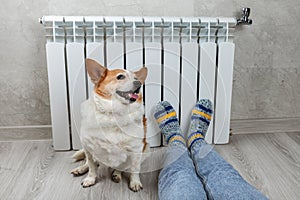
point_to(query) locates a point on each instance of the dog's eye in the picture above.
(121, 77)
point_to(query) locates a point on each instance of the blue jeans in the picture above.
(201, 174)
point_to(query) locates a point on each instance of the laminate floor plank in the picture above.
(25, 160)
(270, 162)
(33, 170)
(295, 136)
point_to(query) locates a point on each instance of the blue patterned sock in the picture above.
(166, 118)
(200, 120)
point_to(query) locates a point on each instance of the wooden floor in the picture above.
(32, 170)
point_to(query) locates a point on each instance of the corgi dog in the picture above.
(113, 130)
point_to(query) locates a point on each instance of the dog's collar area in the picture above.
(102, 105)
(131, 95)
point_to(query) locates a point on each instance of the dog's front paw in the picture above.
(88, 181)
(135, 186)
(80, 170)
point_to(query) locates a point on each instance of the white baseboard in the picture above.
(265, 126)
(245, 126)
(14, 133)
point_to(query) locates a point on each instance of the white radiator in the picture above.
(187, 59)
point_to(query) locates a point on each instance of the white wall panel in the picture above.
(134, 56)
(115, 55)
(172, 73)
(77, 87)
(58, 95)
(189, 83)
(94, 51)
(224, 91)
(153, 90)
(208, 53)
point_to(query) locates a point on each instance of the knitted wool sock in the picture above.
(166, 118)
(200, 120)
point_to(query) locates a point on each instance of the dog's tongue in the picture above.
(133, 96)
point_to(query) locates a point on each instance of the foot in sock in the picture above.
(200, 120)
(166, 118)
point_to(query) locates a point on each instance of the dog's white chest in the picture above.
(111, 137)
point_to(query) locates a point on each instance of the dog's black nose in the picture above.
(137, 84)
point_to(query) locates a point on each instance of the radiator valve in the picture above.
(245, 17)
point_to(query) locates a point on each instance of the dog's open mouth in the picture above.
(131, 95)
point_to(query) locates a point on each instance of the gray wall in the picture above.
(266, 75)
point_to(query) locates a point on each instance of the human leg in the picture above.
(178, 179)
(220, 179)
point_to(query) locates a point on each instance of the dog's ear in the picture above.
(95, 70)
(141, 74)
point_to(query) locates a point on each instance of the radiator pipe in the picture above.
(243, 20)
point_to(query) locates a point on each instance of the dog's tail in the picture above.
(79, 155)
